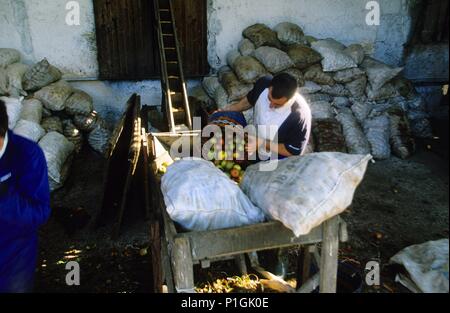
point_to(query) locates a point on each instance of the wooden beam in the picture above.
(329, 256)
(310, 285)
(182, 266)
(155, 249)
(167, 266)
(303, 266)
(272, 235)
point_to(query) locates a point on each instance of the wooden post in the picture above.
(303, 266)
(166, 266)
(183, 266)
(329, 256)
(155, 249)
(240, 263)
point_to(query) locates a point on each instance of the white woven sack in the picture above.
(56, 149)
(13, 109)
(355, 139)
(30, 130)
(200, 197)
(32, 111)
(305, 191)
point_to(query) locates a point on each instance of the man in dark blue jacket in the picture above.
(24, 206)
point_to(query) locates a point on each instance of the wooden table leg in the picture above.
(167, 267)
(329, 256)
(303, 265)
(240, 263)
(183, 266)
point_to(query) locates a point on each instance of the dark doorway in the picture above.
(127, 42)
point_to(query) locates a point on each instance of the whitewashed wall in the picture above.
(343, 20)
(38, 29)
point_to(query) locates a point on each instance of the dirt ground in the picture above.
(399, 203)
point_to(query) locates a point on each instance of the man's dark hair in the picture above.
(3, 119)
(283, 85)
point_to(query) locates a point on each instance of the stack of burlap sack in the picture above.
(360, 105)
(46, 109)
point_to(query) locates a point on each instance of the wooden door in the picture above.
(127, 44)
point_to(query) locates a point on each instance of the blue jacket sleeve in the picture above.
(27, 204)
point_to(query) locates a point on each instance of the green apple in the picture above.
(237, 167)
(229, 165)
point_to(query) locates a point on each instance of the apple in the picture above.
(229, 165)
(237, 167)
(235, 173)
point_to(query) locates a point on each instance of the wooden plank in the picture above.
(191, 21)
(310, 285)
(183, 266)
(329, 256)
(443, 22)
(241, 264)
(117, 165)
(127, 42)
(303, 266)
(218, 243)
(133, 158)
(155, 248)
(116, 69)
(125, 39)
(149, 55)
(167, 266)
(145, 168)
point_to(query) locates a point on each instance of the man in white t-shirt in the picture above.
(281, 115)
(283, 120)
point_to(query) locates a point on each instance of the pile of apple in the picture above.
(228, 154)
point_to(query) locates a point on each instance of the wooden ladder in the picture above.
(175, 98)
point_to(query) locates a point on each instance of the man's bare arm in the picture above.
(277, 148)
(255, 143)
(241, 106)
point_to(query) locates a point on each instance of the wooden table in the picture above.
(180, 251)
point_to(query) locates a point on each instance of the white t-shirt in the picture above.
(289, 125)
